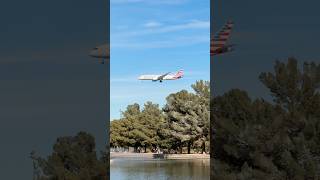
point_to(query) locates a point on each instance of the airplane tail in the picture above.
(179, 74)
(221, 38)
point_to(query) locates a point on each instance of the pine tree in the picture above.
(73, 158)
(255, 139)
(187, 116)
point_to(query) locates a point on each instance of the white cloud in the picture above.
(194, 24)
(152, 24)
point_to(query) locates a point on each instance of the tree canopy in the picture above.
(256, 139)
(182, 122)
(73, 157)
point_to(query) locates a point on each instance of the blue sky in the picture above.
(154, 37)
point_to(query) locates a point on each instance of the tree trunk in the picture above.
(180, 149)
(145, 148)
(203, 147)
(189, 147)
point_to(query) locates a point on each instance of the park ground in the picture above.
(147, 156)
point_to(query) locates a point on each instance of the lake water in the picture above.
(125, 169)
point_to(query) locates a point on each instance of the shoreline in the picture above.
(146, 156)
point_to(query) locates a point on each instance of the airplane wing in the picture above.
(221, 38)
(162, 76)
(153, 77)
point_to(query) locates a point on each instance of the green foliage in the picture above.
(73, 158)
(187, 116)
(254, 139)
(184, 121)
(137, 128)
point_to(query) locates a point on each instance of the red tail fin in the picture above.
(179, 74)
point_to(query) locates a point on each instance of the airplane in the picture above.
(218, 44)
(162, 77)
(102, 52)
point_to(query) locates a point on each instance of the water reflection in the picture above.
(124, 169)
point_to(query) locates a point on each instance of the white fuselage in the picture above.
(156, 77)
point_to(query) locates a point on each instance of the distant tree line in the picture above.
(256, 139)
(182, 125)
